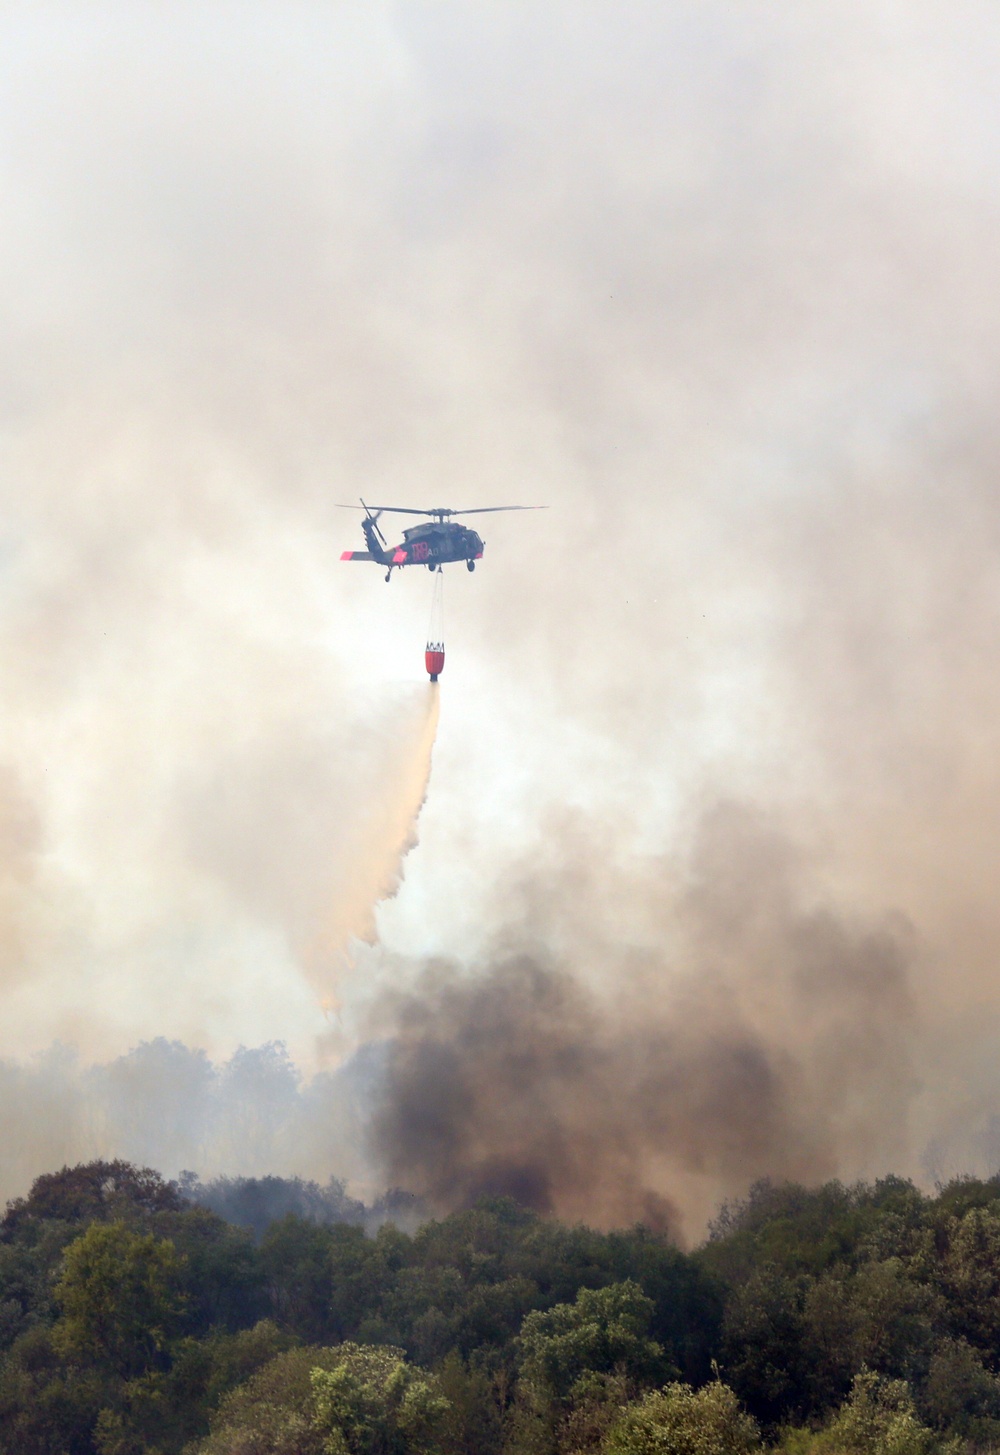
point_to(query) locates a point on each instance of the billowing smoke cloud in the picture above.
(707, 874)
(646, 1069)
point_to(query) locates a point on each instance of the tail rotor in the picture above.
(373, 520)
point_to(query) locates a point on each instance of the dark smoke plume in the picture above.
(774, 1038)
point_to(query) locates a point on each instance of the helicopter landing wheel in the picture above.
(387, 575)
(432, 568)
(470, 565)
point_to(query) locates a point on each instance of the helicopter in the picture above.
(432, 544)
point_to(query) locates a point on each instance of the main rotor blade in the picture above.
(488, 509)
(396, 509)
(378, 509)
(407, 510)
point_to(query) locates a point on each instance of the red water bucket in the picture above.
(434, 659)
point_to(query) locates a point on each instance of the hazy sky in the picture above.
(718, 283)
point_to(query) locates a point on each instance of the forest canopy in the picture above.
(135, 1319)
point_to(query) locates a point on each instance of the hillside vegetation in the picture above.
(135, 1321)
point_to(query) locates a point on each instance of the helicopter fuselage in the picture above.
(437, 542)
(432, 544)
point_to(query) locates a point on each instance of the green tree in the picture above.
(91, 1191)
(762, 1343)
(295, 1256)
(795, 1230)
(603, 1331)
(163, 1409)
(894, 1317)
(312, 1401)
(361, 1273)
(960, 1395)
(477, 1406)
(679, 1420)
(120, 1299)
(878, 1317)
(878, 1418)
(26, 1283)
(969, 1275)
(223, 1281)
(373, 1403)
(579, 1361)
(45, 1407)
